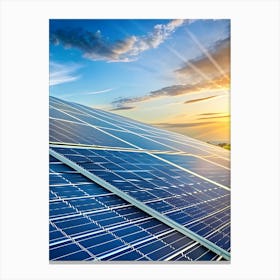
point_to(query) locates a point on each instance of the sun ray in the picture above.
(207, 53)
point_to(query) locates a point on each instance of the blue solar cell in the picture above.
(142, 195)
(107, 247)
(164, 251)
(80, 229)
(111, 200)
(111, 222)
(128, 256)
(102, 215)
(207, 256)
(76, 256)
(151, 247)
(180, 217)
(66, 192)
(61, 211)
(182, 242)
(159, 228)
(160, 206)
(96, 239)
(56, 179)
(64, 250)
(56, 235)
(93, 189)
(197, 252)
(71, 222)
(160, 193)
(136, 237)
(60, 168)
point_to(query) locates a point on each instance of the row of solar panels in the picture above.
(87, 222)
(75, 123)
(181, 179)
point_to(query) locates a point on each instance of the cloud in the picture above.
(175, 90)
(60, 74)
(166, 91)
(99, 91)
(95, 47)
(123, 108)
(209, 114)
(181, 125)
(89, 93)
(198, 75)
(219, 52)
(216, 117)
(206, 53)
(199, 99)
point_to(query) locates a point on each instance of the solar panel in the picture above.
(183, 192)
(120, 189)
(87, 222)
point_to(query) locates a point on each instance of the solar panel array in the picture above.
(124, 190)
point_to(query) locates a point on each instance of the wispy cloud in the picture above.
(199, 99)
(88, 93)
(209, 114)
(216, 117)
(99, 91)
(182, 125)
(123, 108)
(95, 47)
(60, 74)
(166, 91)
(175, 90)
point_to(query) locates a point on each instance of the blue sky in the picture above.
(172, 73)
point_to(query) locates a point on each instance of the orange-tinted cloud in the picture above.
(192, 69)
(198, 75)
(182, 125)
(215, 117)
(209, 114)
(199, 99)
(123, 108)
(176, 90)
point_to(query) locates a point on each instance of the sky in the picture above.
(170, 73)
